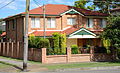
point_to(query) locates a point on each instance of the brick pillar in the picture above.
(43, 55)
(68, 54)
(92, 53)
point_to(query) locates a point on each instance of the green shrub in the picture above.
(74, 49)
(37, 42)
(31, 41)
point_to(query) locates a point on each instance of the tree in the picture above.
(105, 5)
(59, 43)
(112, 31)
(82, 4)
(63, 43)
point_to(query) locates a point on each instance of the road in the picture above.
(86, 71)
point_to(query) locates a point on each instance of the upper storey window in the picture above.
(35, 22)
(51, 22)
(71, 21)
(96, 23)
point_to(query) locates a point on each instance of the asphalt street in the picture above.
(86, 71)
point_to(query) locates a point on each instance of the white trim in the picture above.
(31, 32)
(84, 30)
(55, 30)
(82, 36)
(71, 10)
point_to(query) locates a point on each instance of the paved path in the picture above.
(19, 63)
(86, 71)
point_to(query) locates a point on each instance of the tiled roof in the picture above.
(67, 31)
(3, 34)
(116, 9)
(57, 9)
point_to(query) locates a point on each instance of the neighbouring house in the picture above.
(115, 11)
(2, 26)
(81, 26)
(2, 29)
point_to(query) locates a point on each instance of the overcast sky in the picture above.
(18, 6)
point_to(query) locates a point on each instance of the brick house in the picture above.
(81, 26)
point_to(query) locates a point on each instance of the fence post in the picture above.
(7, 49)
(92, 53)
(12, 50)
(17, 43)
(43, 55)
(68, 54)
(0, 49)
(3, 48)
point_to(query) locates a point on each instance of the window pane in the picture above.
(52, 22)
(69, 21)
(33, 22)
(73, 21)
(49, 22)
(88, 23)
(37, 22)
(104, 23)
(91, 23)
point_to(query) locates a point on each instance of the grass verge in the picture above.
(79, 65)
(8, 58)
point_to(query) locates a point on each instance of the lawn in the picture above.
(79, 65)
(3, 66)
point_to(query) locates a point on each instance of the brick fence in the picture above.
(65, 58)
(15, 50)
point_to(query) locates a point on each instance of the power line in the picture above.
(36, 3)
(7, 4)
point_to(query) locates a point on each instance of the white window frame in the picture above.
(104, 22)
(35, 22)
(90, 23)
(71, 21)
(51, 23)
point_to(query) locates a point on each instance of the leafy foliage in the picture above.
(37, 42)
(107, 44)
(106, 5)
(112, 32)
(82, 4)
(74, 49)
(59, 43)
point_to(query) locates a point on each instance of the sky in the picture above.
(18, 6)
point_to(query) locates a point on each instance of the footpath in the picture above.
(16, 66)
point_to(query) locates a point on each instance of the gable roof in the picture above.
(57, 9)
(82, 31)
(69, 32)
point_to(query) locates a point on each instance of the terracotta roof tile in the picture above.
(49, 33)
(3, 34)
(57, 9)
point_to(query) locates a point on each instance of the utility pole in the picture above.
(44, 20)
(25, 55)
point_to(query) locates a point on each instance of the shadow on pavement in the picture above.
(15, 66)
